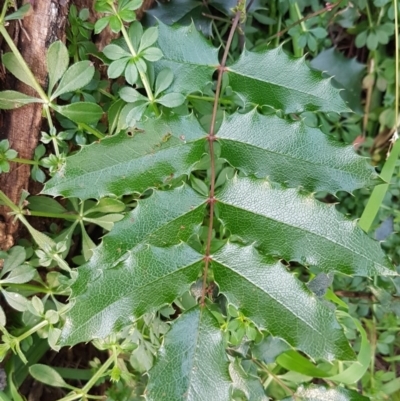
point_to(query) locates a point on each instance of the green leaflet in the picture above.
(292, 153)
(282, 82)
(192, 69)
(192, 364)
(145, 280)
(160, 149)
(275, 300)
(140, 266)
(287, 224)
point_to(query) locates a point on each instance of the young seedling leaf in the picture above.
(57, 59)
(77, 76)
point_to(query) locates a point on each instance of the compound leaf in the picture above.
(140, 266)
(287, 224)
(264, 291)
(268, 146)
(166, 147)
(192, 364)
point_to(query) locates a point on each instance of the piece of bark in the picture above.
(44, 24)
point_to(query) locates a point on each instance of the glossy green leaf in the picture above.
(167, 147)
(292, 153)
(13, 100)
(274, 79)
(12, 64)
(275, 300)
(293, 226)
(315, 393)
(140, 266)
(57, 59)
(192, 364)
(80, 112)
(77, 76)
(192, 69)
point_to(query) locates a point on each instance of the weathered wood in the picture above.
(45, 23)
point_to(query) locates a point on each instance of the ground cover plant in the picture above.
(190, 169)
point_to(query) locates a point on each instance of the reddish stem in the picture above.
(211, 139)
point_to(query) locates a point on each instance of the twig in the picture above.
(211, 139)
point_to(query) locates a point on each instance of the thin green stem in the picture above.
(397, 65)
(370, 23)
(31, 331)
(378, 194)
(3, 11)
(50, 121)
(64, 216)
(7, 201)
(91, 382)
(23, 64)
(210, 99)
(300, 17)
(107, 94)
(25, 161)
(296, 16)
(92, 130)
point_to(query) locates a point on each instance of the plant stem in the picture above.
(50, 121)
(25, 161)
(65, 216)
(22, 63)
(91, 382)
(210, 99)
(92, 130)
(378, 194)
(295, 15)
(211, 138)
(300, 21)
(33, 330)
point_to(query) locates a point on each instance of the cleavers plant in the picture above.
(218, 177)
